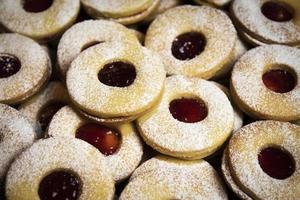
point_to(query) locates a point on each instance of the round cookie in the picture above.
(192, 40)
(264, 160)
(115, 80)
(41, 108)
(24, 68)
(16, 134)
(269, 21)
(193, 119)
(124, 11)
(63, 168)
(229, 180)
(40, 20)
(174, 179)
(75, 40)
(123, 152)
(264, 82)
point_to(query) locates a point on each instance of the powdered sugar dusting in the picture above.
(174, 179)
(188, 140)
(16, 134)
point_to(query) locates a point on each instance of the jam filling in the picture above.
(90, 44)
(277, 11)
(36, 6)
(9, 65)
(60, 185)
(188, 110)
(47, 113)
(188, 45)
(276, 162)
(117, 74)
(105, 139)
(278, 80)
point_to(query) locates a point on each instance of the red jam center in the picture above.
(36, 6)
(280, 81)
(117, 74)
(276, 162)
(277, 11)
(188, 110)
(188, 45)
(60, 185)
(9, 65)
(105, 139)
(47, 113)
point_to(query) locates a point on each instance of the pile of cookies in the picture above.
(149, 99)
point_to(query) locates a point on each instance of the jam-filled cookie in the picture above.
(63, 168)
(264, 82)
(263, 158)
(218, 3)
(41, 108)
(115, 79)
(41, 20)
(122, 11)
(86, 34)
(269, 21)
(163, 6)
(119, 143)
(193, 119)
(24, 67)
(192, 40)
(169, 178)
(238, 115)
(16, 134)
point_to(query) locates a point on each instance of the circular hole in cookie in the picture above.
(104, 138)
(90, 44)
(188, 110)
(9, 65)
(188, 45)
(36, 6)
(117, 74)
(277, 11)
(280, 79)
(276, 162)
(60, 184)
(47, 112)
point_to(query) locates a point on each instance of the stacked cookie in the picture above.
(160, 109)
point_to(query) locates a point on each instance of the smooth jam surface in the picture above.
(280, 81)
(188, 110)
(276, 162)
(277, 11)
(36, 6)
(105, 139)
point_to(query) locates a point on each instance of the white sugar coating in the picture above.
(48, 155)
(55, 92)
(118, 8)
(243, 150)
(169, 178)
(229, 180)
(214, 24)
(122, 163)
(253, 96)
(163, 6)
(34, 72)
(188, 140)
(41, 25)
(238, 115)
(249, 14)
(104, 101)
(16, 134)
(88, 32)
